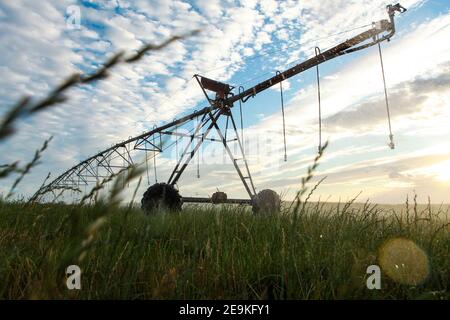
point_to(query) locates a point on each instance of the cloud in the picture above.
(406, 99)
(40, 51)
(211, 8)
(358, 83)
(355, 115)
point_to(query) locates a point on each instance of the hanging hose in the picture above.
(282, 113)
(146, 163)
(317, 51)
(154, 158)
(391, 136)
(242, 119)
(226, 127)
(124, 164)
(176, 140)
(198, 160)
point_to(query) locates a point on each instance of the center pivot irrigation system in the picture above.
(118, 157)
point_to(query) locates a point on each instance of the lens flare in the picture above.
(403, 261)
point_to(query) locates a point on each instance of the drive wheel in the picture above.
(161, 196)
(266, 202)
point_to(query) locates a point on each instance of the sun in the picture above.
(441, 170)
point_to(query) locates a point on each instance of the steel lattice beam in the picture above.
(219, 106)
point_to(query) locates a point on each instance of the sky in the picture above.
(240, 43)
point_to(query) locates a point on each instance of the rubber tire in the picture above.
(161, 196)
(219, 197)
(266, 202)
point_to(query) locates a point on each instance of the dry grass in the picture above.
(204, 253)
(312, 251)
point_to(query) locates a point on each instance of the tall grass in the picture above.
(311, 251)
(211, 253)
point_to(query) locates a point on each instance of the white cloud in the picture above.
(39, 52)
(419, 95)
(211, 8)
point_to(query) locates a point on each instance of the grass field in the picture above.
(308, 251)
(322, 252)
